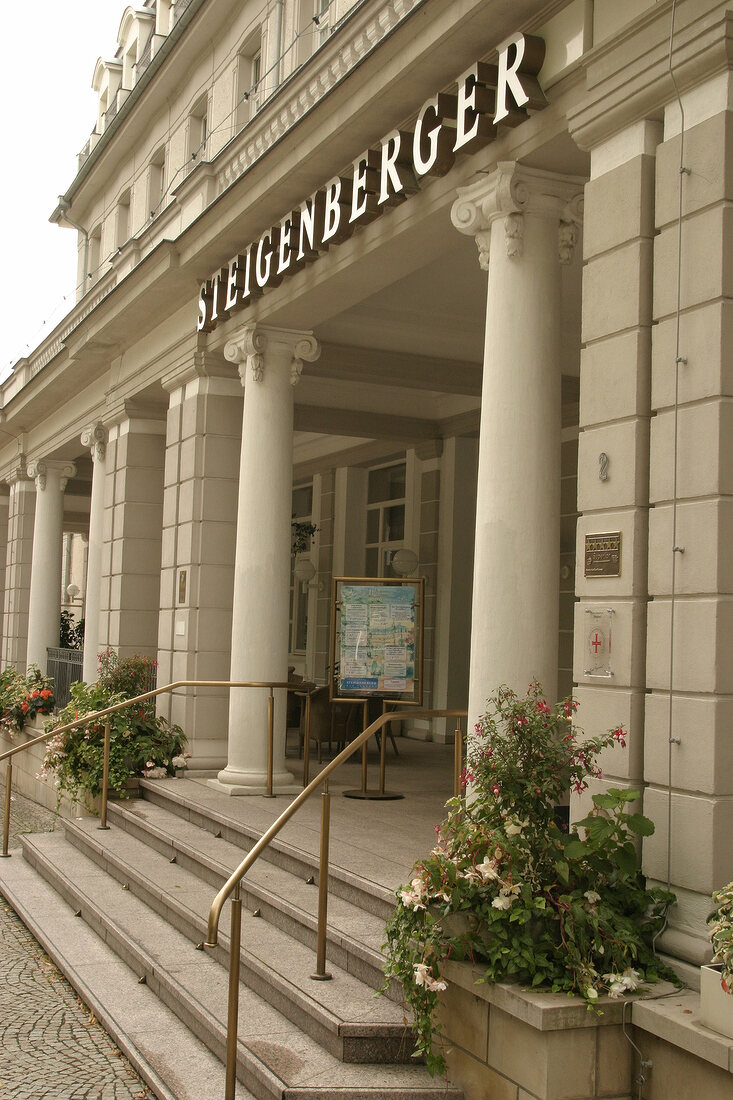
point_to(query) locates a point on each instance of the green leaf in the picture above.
(605, 801)
(576, 849)
(563, 871)
(626, 859)
(640, 824)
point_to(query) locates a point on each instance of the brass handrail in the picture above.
(93, 716)
(233, 882)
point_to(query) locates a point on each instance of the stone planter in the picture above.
(716, 1006)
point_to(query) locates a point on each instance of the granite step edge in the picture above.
(345, 1039)
(45, 913)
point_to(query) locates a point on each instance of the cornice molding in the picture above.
(628, 79)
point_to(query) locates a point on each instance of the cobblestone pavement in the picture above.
(51, 1046)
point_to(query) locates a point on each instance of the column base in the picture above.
(235, 783)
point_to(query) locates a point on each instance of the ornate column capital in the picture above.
(249, 348)
(95, 439)
(510, 192)
(40, 468)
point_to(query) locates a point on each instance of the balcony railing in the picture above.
(65, 666)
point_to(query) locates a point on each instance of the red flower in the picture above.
(24, 707)
(35, 695)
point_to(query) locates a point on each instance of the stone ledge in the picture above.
(676, 1020)
(542, 1011)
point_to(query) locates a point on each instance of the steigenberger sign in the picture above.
(447, 125)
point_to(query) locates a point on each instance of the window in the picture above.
(322, 20)
(156, 182)
(248, 81)
(128, 66)
(94, 257)
(122, 224)
(198, 130)
(302, 513)
(385, 526)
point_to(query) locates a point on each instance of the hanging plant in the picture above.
(301, 534)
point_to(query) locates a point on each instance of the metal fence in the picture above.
(65, 665)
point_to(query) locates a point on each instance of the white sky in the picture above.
(50, 52)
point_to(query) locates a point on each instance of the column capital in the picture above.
(249, 346)
(510, 192)
(40, 468)
(95, 439)
(16, 473)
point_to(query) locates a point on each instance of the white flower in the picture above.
(504, 901)
(591, 993)
(487, 870)
(179, 762)
(424, 977)
(592, 897)
(619, 984)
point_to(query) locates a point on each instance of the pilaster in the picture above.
(19, 555)
(133, 519)
(203, 441)
(95, 440)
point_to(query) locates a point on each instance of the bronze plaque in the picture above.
(182, 575)
(603, 555)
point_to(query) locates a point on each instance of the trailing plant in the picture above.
(720, 923)
(140, 744)
(71, 632)
(507, 888)
(22, 697)
(301, 534)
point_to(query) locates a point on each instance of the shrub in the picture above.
(506, 887)
(22, 697)
(140, 742)
(720, 923)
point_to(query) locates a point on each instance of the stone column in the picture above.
(96, 440)
(270, 361)
(44, 610)
(524, 222)
(4, 540)
(21, 515)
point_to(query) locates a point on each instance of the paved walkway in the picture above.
(51, 1046)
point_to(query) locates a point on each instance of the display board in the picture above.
(376, 639)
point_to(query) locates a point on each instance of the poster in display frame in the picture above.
(376, 649)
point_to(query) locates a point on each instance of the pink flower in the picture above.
(496, 789)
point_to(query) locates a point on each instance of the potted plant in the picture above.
(716, 980)
(510, 889)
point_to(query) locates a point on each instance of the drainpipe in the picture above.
(63, 209)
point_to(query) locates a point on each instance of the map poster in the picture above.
(377, 638)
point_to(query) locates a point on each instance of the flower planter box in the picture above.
(716, 1006)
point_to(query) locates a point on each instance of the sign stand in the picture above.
(376, 653)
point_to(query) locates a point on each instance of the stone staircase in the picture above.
(142, 891)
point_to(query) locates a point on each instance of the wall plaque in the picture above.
(603, 554)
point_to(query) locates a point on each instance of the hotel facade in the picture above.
(454, 278)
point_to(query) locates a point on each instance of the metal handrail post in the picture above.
(365, 723)
(270, 738)
(6, 816)
(235, 940)
(383, 754)
(321, 974)
(105, 779)
(307, 740)
(457, 760)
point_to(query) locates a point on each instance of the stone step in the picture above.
(151, 1037)
(183, 798)
(343, 1014)
(275, 1059)
(284, 897)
